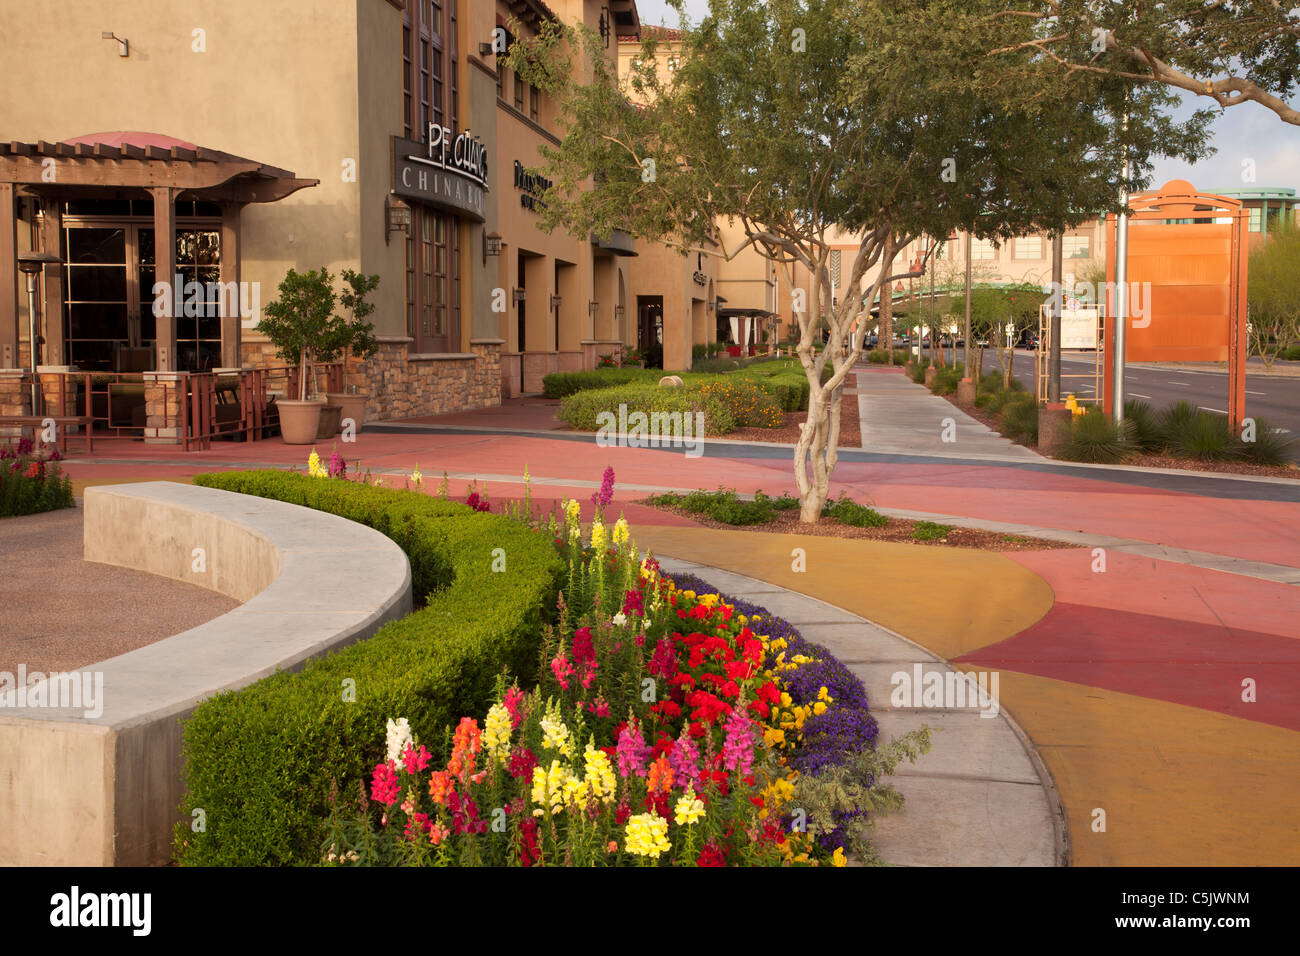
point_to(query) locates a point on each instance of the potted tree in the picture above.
(356, 336)
(301, 324)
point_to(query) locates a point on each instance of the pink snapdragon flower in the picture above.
(384, 787)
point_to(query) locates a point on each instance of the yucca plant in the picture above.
(1269, 446)
(1096, 439)
(1146, 425)
(1205, 437)
(1173, 422)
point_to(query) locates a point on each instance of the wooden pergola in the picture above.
(126, 165)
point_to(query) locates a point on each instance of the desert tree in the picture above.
(798, 119)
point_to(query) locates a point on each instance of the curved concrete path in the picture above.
(980, 797)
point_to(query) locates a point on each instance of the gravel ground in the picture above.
(60, 612)
(898, 530)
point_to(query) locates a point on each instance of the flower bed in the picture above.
(669, 726)
(259, 760)
(32, 482)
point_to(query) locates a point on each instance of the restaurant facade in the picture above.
(375, 135)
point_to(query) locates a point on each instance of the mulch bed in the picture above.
(897, 530)
(1156, 461)
(792, 423)
(1222, 467)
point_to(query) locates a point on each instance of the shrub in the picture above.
(918, 370)
(881, 356)
(750, 405)
(582, 410)
(1095, 438)
(848, 511)
(260, 760)
(1146, 431)
(1019, 420)
(946, 379)
(930, 531)
(1205, 437)
(560, 384)
(31, 483)
(1270, 445)
(1174, 422)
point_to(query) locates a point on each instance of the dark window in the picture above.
(519, 93)
(534, 100)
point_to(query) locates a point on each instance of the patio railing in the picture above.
(189, 409)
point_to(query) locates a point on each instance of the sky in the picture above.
(1244, 132)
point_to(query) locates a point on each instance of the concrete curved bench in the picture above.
(99, 783)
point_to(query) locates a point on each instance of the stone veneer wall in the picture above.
(402, 385)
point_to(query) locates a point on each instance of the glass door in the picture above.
(110, 298)
(97, 295)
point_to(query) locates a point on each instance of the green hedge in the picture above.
(784, 379)
(259, 761)
(562, 384)
(581, 409)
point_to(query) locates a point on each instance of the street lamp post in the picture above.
(1121, 286)
(32, 264)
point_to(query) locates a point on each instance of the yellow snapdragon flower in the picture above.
(599, 776)
(496, 732)
(689, 809)
(647, 835)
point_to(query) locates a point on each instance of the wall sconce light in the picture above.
(593, 306)
(556, 301)
(397, 216)
(620, 311)
(517, 296)
(493, 240)
(123, 44)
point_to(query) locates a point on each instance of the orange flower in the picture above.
(660, 776)
(441, 784)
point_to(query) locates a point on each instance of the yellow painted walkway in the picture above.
(1179, 785)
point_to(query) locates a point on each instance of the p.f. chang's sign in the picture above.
(450, 172)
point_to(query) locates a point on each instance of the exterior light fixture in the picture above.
(123, 44)
(620, 311)
(486, 49)
(711, 305)
(493, 240)
(32, 264)
(397, 217)
(556, 301)
(517, 296)
(593, 306)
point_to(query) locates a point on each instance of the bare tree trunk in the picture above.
(887, 321)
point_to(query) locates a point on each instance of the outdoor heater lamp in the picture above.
(32, 264)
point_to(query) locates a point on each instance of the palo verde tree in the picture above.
(1273, 294)
(792, 118)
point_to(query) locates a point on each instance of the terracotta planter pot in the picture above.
(353, 407)
(299, 421)
(330, 416)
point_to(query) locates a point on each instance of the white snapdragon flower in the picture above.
(399, 738)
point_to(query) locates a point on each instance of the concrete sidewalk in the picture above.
(980, 797)
(900, 417)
